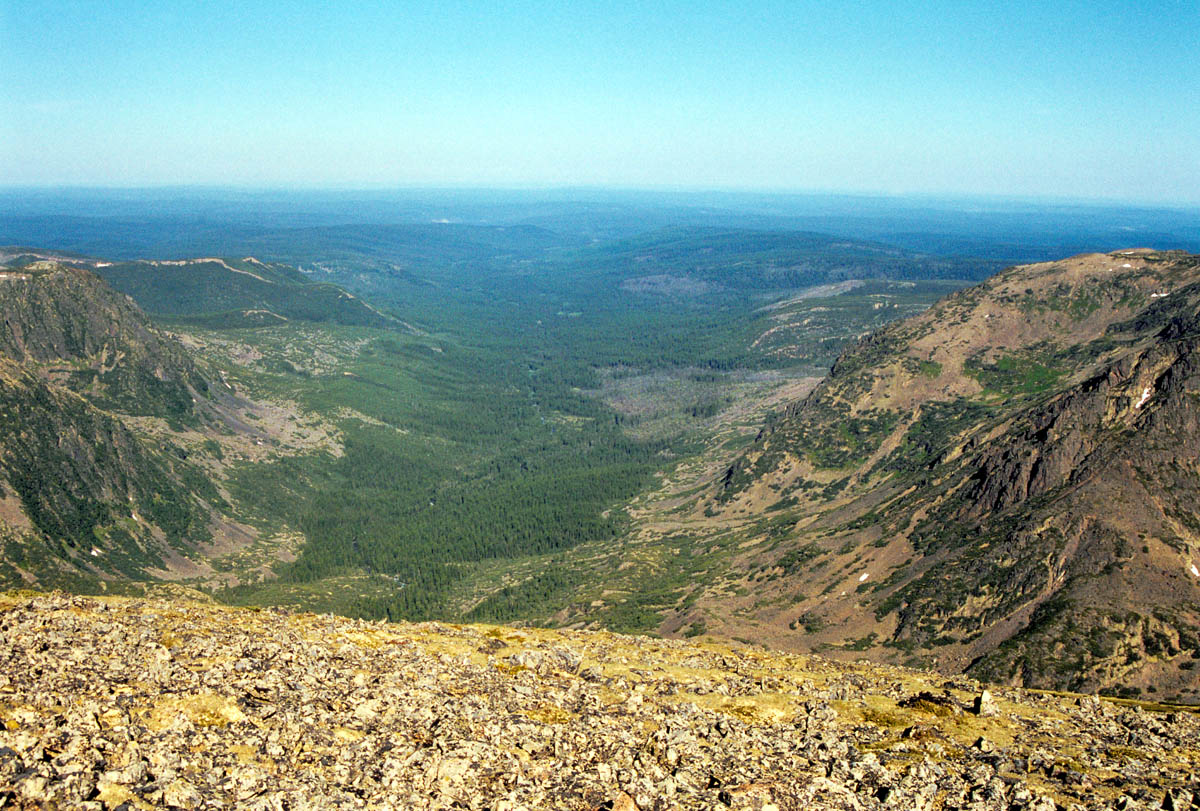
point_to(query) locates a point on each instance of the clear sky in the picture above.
(1097, 99)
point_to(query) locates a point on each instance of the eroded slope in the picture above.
(1006, 483)
(112, 438)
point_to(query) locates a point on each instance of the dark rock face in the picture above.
(95, 499)
(1075, 489)
(84, 335)
(78, 471)
(1130, 408)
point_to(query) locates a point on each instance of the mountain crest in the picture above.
(81, 334)
(1014, 474)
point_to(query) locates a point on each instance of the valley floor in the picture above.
(121, 703)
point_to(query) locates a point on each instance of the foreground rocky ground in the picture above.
(119, 703)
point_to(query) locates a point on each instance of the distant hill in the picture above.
(714, 260)
(424, 244)
(180, 222)
(221, 292)
(1007, 484)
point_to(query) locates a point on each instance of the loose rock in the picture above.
(107, 703)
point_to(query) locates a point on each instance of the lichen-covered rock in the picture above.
(109, 703)
(985, 705)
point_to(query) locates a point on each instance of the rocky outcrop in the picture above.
(1012, 475)
(89, 494)
(82, 334)
(114, 703)
(1078, 494)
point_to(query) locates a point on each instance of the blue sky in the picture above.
(1084, 100)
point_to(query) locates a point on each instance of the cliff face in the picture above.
(81, 495)
(1014, 474)
(84, 335)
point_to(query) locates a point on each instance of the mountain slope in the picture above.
(1007, 483)
(110, 437)
(233, 292)
(83, 494)
(220, 292)
(84, 335)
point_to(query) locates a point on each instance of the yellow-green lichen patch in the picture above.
(204, 709)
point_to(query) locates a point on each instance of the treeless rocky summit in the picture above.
(124, 703)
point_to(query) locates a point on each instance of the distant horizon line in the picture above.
(548, 188)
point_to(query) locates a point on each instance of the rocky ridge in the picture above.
(1005, 484)
(79, 333)
(120, 703)
(112, 438)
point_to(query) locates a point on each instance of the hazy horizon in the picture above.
(579, 193)
(1081, 102)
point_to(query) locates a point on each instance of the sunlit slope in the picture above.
(237, 292)
(219, 292)
(1006, 483)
